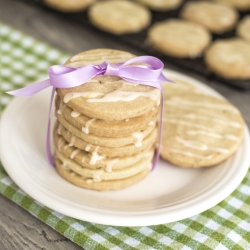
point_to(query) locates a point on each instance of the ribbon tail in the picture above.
(31, 89)
(48, 147)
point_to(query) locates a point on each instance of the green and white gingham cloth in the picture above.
(225, 226)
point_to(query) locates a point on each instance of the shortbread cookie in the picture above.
(134, 138)
(98, 175)
(200, 130)
(229, 58)
(179, 38)
(80, 181)
(69, 5)
(93, 160)
(242, 5)
(243, 29)
(127, 150)
(119, 17)
(103, 127)
(161, 5)
(109, 97)
(177, 88)
(216, 17)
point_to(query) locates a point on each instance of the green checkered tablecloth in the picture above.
(225, 226)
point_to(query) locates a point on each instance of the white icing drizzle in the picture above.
(214, 135)
(179, 102)
(126, 120)
(95, 157)
(60, 143)
(86, 95)
(110, 164)
(73, 174)
(59, 129)
(152, 123)
(139, 136)
(86, 128)
(221, 121)
(74, 153)
(59, 111)
(118, 95)
(89, 181)
(83, 159)
(192, 144)
(191, 154)
(184, 123)
(88, 146)
(64, 166)
(220, 150)
(97, 176)
(74, 113)
(72, 140)
(153, 109)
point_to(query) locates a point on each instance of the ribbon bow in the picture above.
(61, 76)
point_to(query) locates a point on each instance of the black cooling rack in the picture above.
(139, 41)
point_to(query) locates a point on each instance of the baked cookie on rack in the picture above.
(242, 5)
(179, 38)
(229, 58)
(216, 17)
(119, 17)
(161, 5)
(243, 28)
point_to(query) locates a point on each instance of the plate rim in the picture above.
(141, 218)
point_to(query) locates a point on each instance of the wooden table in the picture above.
(18, 229)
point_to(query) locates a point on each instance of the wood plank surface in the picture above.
(18, 229)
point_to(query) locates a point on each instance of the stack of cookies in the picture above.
(106, 129)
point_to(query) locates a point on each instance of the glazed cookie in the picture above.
(104, 127)
(242, 5)
(127, 150)
(69, 5)
(179, 38)
(216, 17)
(88, 160)
(200, 130)
(161, 5)
(88, 183)
(229, 58)
(119, 17)
(243, 29)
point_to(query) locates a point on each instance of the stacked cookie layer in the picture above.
(106, 129)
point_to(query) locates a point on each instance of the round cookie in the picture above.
(80, 181)
(179, 38)
(200, 130)
(119, 17)
(161, 5)
(98, 175)
(243, 29)
(103, 127)
(88, 160)
(229, 58)
(69, 5)
(112, 142)
(110, 97)
(216, 17)
(242, 5)
(127, 150)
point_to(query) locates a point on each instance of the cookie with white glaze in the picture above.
(216, 17)
(229, 58)
(179, 38)
(200, 130)
(243, 28)
(119, 17)
(105, 128)
(88, 183)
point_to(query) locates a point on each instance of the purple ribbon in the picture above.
(67, 77)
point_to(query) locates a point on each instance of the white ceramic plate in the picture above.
(168, 194)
